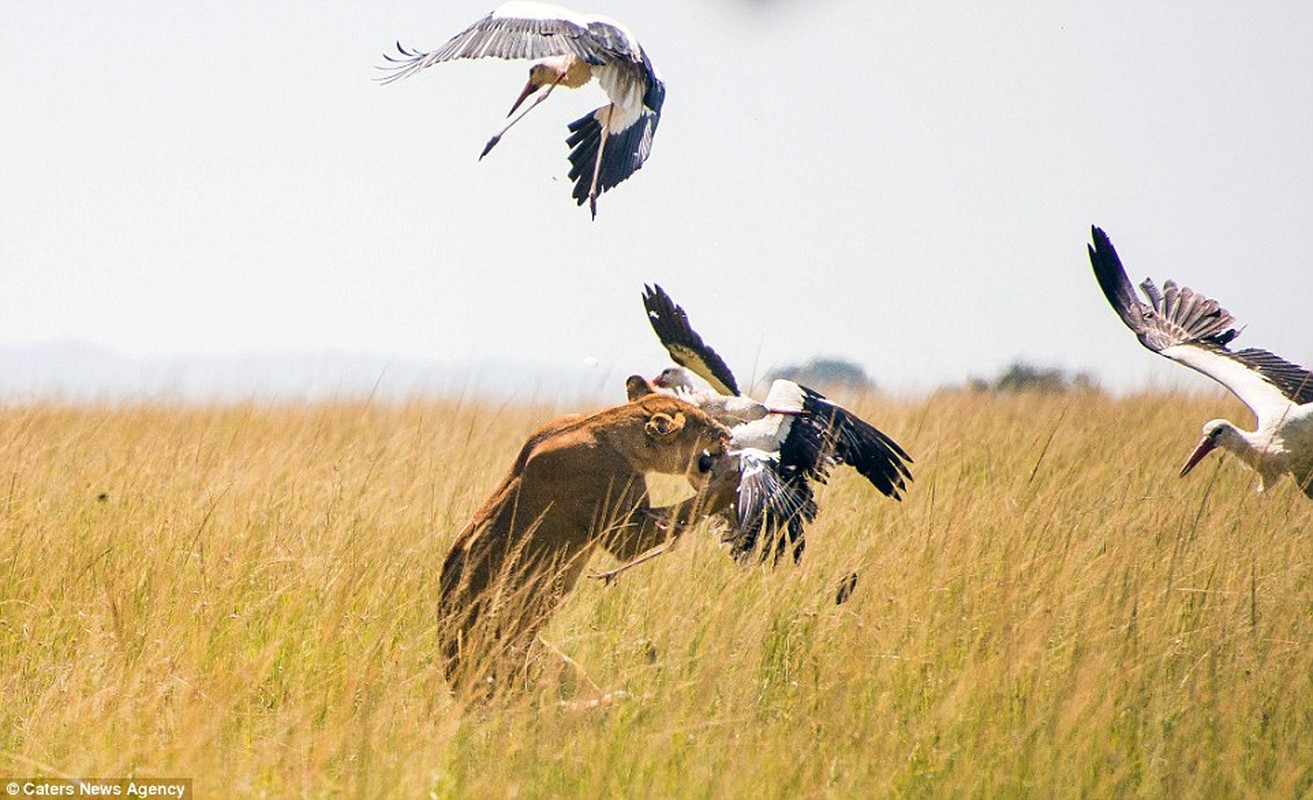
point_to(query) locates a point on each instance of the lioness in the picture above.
(578, 482)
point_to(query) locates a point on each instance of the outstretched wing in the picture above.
(522, 30)
(1194, 330)
(827, 433)
(685, 346)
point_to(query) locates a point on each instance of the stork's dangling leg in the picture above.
(597, 165)
(497, 137)
(611, 574)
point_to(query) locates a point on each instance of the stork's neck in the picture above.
(1262, 450)
(680, 380)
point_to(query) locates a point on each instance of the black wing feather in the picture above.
(774, 504)
(830, 428)
(1177, 315)
(1292, 380)
(684, 344)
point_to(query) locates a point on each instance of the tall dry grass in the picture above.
(245, 595)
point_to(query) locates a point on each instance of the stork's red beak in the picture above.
(529, 88)
(660, 380)
(1204, 447)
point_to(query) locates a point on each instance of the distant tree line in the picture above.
(832, 373)
(1019, 376)
(1023, 377)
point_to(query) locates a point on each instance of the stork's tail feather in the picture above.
(623, 155)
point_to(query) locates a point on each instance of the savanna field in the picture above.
(244, 595)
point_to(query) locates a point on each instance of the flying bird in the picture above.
(1193, 330)
(784, 443)
(608, 144)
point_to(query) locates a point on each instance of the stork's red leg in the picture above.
(597, 166)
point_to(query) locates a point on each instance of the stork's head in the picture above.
(1216, 433)
(544, 73)
(674, 378)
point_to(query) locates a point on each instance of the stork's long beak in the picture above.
(529, 88)
(1204, 447)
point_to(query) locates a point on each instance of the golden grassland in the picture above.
(245, 595)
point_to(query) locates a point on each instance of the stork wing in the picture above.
(773, 503)
(1292, 380)
(685, 346)
(827, 428)
(522, 30)
(1194, 330)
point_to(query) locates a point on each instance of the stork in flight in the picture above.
(1193, 330)
(792, 438)
(608, 144)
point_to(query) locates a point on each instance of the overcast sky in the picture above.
(909, 186)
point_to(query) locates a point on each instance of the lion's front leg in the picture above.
(651, 532)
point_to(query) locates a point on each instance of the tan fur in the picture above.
(577, 484)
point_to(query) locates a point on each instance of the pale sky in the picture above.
(909, 186)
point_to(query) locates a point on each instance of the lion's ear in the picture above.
(661, 425)
(636, 387)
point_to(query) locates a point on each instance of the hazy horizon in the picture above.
(81, 372)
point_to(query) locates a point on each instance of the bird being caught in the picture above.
(782, 445)
(1190, 329)
(608, 144)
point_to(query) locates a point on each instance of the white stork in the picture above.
(1193, 330)
(772, 493)
(607, 145)
(795, 436)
